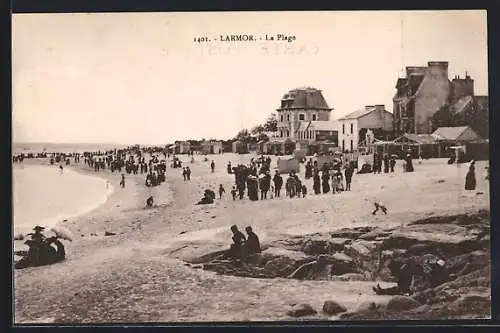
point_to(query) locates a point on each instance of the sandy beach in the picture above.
(140, 274)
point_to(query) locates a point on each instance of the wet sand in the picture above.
(137, 275)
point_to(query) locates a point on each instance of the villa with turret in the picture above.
(303, 122)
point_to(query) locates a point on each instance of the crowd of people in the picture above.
(131, 162)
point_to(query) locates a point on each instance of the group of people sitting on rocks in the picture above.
(41, 252)
(414, 274)
(242, 246)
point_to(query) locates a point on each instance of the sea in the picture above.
(38, 147)
(44, 196)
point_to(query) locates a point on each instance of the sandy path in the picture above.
(137, 277)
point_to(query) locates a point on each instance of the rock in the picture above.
(348, 233)
(387, 254)
(467, 263)
(339, 257)
(107, 233)
(273, 252)
(303, 271)
(19, 237)
(448, 238)
(402, 303)
(332, 308)
(281, 262)
(475, 298)
(301, 310)
(350, 277)
(367, 244)
(337, 244)
(358, 250)
(319, 245)
(256, 259)
(375, 234)
(340, 264)
(485, 242)
(182, 232)
(419, 249)
(366, 306)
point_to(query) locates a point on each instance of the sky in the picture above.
(139, 78)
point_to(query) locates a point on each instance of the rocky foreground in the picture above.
(361, 254)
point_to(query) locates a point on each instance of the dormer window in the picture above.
(314, 117)
(302, 117)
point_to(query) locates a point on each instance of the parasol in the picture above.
(62, 232)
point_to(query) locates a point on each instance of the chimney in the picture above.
(380, 107)
(438, 67)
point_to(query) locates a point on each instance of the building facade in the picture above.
(211, 147)
(353, 127)
(182, 147)
(423, 92)
(299, 107)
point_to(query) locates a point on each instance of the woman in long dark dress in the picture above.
(470, 179)
(309, 170)
(325, 178)
(409, 163)
(317, 183)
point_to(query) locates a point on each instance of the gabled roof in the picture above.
(360, 113)
(422, 139)
(449, 133)
(357, 114)
(330, 125)
(318, 125)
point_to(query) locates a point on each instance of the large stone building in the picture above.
(424, 91)
(300, 111)
(353, 127)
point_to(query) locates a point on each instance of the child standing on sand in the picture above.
(233, 192)
(221, 191)
(122, 182)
